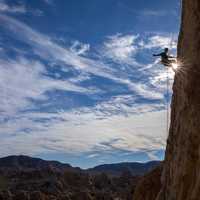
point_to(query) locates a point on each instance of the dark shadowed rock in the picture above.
(82, 195)
(149, 186)
(21, 195)
(5, 195)
(37, 195)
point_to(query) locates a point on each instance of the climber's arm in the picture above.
(157, 54)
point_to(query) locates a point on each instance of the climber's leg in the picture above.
(166, 63)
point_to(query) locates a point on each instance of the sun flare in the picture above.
(176, 66)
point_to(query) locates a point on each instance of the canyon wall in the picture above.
(181, 174)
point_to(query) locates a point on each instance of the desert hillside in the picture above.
(26, 178)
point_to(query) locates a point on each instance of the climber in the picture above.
(165, 58)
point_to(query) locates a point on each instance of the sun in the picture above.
(176, 66)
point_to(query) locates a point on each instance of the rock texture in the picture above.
(149, 186)
(181, 175)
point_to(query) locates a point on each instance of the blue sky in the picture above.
(78, 81)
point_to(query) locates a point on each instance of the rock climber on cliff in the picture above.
(166, 59)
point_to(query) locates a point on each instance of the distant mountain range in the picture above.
(135, 168)
(26, 178)
(29, 163)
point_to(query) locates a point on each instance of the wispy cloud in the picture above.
(17, 91)
(160, 41)
(75, 133)
(155, 13)
(121, 48)
(19, 8)
(152, 155)
(44, 47)
(79, 48)
(5, 8)
(49, 2)
(122, 121)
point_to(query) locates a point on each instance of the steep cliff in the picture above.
(181, 175)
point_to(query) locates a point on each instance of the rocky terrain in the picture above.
(26, 178)
(181, 175)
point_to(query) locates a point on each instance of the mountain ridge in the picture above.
(22, 162)
(136, 168)
(27, 178)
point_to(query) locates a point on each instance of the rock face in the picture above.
(149, 186)
(181, 172)
(181, 175)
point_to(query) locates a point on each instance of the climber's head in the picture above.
(166, 50)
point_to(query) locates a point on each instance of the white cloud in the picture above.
(4, 7)
(160, 41)
(131, 126)
(37, 12)
(75, 134)
(44, 47)
(79, 48)
(93, 155)
(50, 2)
(152, 155)
(156, 13)
(24, 79)
(122, 105)
(121, 48)
(18, 9)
